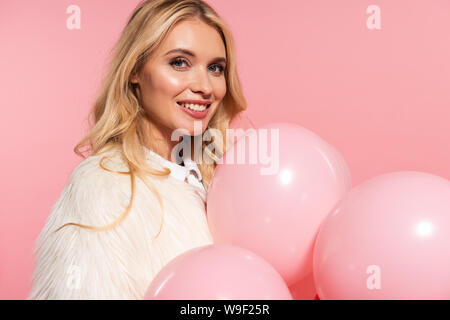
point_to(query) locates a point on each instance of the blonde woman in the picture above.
(129, 207)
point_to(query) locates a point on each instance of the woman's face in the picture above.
(170, 77)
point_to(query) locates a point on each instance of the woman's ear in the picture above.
(134, 82)
(134, 78)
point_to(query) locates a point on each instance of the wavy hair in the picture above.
(117, 118)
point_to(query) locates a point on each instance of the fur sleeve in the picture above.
(78, 263)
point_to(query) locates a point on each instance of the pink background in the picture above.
(381, 97)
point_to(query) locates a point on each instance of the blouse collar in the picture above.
(176, 170)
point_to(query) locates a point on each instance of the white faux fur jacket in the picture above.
(120, 263)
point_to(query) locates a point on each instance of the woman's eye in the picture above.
(176, 61)
(221, 68)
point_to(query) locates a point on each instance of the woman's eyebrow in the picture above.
(190, 53)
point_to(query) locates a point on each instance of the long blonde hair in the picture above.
(118, 118)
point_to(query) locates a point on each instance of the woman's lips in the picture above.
(195, 114)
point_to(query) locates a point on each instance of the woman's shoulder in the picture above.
(100, 165)
(103, 260)
(95, 184)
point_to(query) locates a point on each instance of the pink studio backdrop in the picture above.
(380, 96)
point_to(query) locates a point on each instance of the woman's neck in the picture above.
(159, 141)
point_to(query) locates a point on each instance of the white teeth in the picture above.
(195, 107)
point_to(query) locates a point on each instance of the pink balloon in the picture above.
(218, 272)
(240, 124)
(277, 213)
(305, 289)
(389, 238)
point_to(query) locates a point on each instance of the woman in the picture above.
(129, 208)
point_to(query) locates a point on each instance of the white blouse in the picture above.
(189, 171)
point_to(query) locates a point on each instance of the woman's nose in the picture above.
(202, 82)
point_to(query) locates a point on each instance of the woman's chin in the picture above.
(193, 128)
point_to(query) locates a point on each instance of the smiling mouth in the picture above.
(182, 105)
